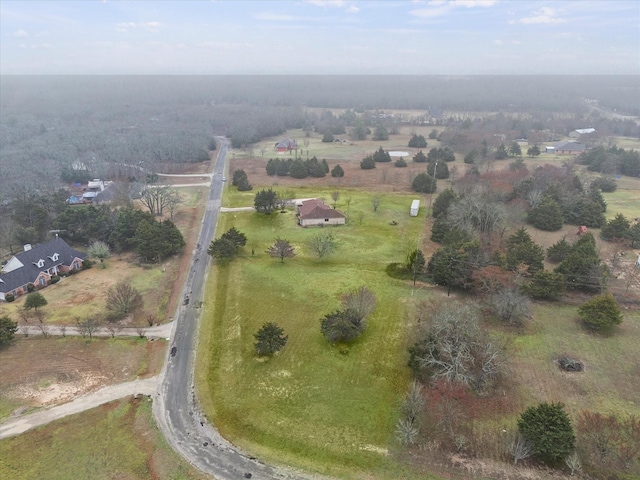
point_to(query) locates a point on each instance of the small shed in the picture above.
(415, 207)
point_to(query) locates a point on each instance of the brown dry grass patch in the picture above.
(38, 371)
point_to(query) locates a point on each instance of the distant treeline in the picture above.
(78, 127)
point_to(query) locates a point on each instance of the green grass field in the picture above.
(117, 440)
(328, 409)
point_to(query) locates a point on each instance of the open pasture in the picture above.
(327, 408)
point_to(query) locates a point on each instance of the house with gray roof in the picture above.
(570, 148)
(37, 265)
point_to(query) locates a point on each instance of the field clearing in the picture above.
(328, 409)
(609, 384)
(41, 372)
(117, 440)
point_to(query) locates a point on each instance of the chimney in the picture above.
(27, 247)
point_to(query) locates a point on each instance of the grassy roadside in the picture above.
(116, 440)
(323, 408)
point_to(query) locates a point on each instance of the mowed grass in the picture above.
(622, 201)
(325, 408)
(117, 440)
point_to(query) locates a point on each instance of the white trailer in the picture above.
(415, 206)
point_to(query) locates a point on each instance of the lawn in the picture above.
(84, 294)
(116, 440)
(324, 408)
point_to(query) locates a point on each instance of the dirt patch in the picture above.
(38, 371)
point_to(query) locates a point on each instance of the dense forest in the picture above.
(60, 129)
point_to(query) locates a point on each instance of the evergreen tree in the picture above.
(582, 268)
(270, 339)
(443, 201)
(381, 133)
(600, 313)
(501, 152)
(522, 250)
(400, 163)
(381, 156)
(547, 215)
(558, 251)
(471, 157)
(533, 151)
(417, 141)
(337, 171)
(298, 169)
(368, 163)
(420, 157)
(616, 229)
(424, 183)
(548, 427)
(546, 285)
(442, 170)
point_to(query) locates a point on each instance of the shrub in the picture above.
(546, 285)
(9, 297)
(549, 429)
(337, 171)
(600, 313)
(55, 279)
(400, 163)
(30, 287)
(423, 183)
(606, 184)
(367, 163)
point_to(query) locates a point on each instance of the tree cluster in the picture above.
(226, 247)
(612, 160)
(349, 323)
(241, 181)
(454, 349)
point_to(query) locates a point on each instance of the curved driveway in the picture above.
(175, 408)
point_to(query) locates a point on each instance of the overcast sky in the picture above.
(320, 37)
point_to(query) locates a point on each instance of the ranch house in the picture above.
(315, 212)
(36, 265)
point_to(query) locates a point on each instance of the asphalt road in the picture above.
(175, 407)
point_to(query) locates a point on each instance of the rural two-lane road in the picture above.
(175, 406)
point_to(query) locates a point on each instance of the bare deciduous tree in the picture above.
(281, 249)
(335, 195)
(122, 299)
(375, 202)
(322, 244)
(156, 199)
(362, 301)
(510, 305)
(87, 327)
(519, 448)
(573, 462)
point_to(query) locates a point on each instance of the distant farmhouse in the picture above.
(566, 148)
(581, 131)
(286, 145)
(315, 212)
(37, 265)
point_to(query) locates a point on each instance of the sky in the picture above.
(430, 37)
